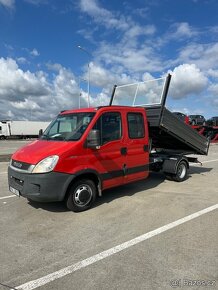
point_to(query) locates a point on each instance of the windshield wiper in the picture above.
(54, 137)
(57, 137)
(44, 136)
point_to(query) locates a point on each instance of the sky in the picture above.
(42, 70)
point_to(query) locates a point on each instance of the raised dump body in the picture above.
(166, 131)
(170, 133)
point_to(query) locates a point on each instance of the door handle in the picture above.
(123, 151)
(145, 148)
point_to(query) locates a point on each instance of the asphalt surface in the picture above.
(39, 239)
(7, 147)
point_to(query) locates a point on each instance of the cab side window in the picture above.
(136, 127)
(110, 127)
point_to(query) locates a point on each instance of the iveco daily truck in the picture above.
(85, 151)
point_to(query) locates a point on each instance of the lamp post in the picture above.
(88, 89)
(80, 80)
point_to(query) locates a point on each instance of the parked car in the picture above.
(212, 121)
(197, 120)
(182, 117)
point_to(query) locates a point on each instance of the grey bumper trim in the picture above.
(44, 187)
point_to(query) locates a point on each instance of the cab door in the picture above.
(109, 159)
(137, 148)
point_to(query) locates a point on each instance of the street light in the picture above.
(84, 80)
(89, 54)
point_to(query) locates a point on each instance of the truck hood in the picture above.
(36, 151)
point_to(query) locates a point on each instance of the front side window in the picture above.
(136, 126)
(110, 127)
(69, 127)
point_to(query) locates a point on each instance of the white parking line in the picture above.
(4, 197)
(210, 161)
(89, 261)
(3, 172)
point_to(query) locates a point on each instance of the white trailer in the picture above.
(21, 129)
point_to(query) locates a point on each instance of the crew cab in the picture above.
(82, 153)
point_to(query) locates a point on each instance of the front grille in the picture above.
(21, 166)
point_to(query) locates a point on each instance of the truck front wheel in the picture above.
(181, 172)
(81, 195)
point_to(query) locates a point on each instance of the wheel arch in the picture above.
(171, 165)
(86, 174)
(182, 159)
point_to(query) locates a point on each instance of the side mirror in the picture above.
(40, 132)
(93, 139)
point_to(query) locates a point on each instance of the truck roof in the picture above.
(94, 109)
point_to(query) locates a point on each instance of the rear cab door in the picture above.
(137, 145)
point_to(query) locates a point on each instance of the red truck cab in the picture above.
(81, 153)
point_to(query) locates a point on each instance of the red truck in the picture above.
(85, 151)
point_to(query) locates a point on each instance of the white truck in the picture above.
(21, 129)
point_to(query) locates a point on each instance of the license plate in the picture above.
(15, 191)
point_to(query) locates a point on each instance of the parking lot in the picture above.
(152, 234)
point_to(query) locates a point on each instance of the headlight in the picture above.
(46, 165)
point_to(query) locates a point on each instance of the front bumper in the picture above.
(44, 187)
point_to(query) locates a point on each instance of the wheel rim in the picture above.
(181, 171)
(83, 195)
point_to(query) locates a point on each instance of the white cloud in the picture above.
(213, 73)
(129, 58)
(34, 52)
(22, 91)
(15, 83)
(187, 79)
(106, 78)
(214, 89)
(115, 20)
(205, 56)
(8, 46)
(26, 105)
(127, 54)
(36, 2)
(54, 66)
(103, 16)
(142, 12)
(22, 60)
(7, 3)
(66, 91)
(182, 30)
(102, 99)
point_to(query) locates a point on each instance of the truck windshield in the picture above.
(68, 127)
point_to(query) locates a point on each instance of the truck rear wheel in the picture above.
(81, 195)
(181, 172)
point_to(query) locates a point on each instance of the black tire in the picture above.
(181, 172)
(81, 196)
